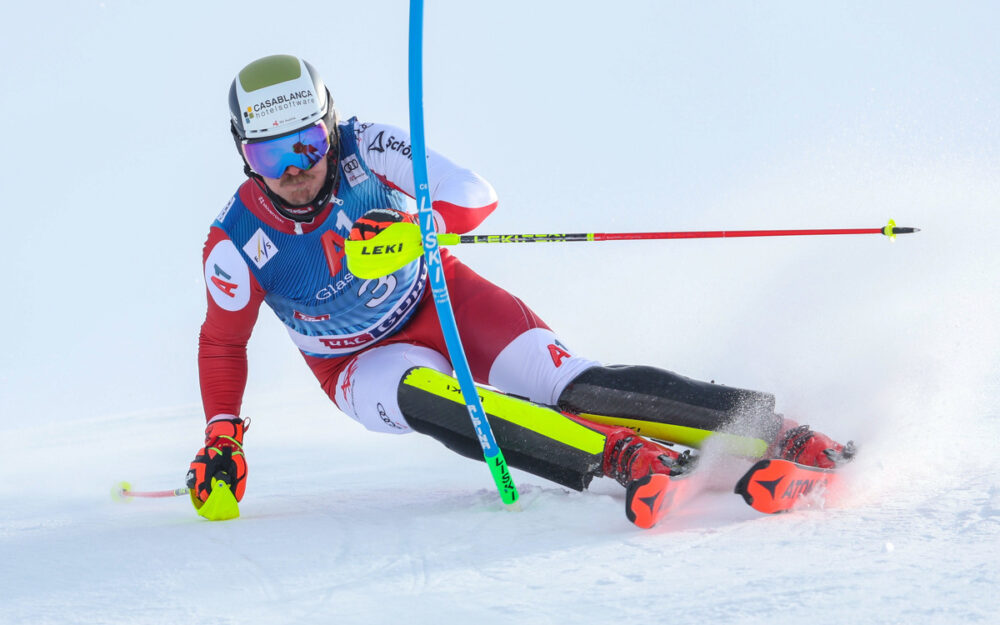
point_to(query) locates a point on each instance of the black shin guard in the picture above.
(646, 398)
(533, 438)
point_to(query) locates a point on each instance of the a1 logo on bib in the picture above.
(259, 248)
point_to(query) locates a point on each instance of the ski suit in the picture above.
(360, 336)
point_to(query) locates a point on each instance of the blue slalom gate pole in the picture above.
(432, 253)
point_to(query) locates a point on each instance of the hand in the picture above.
(376, 220)
(221, 457)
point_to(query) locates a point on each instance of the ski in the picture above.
(773, 486)
(769, 486)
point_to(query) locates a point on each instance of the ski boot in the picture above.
(649, 472)
(802, 445)
(799, 466)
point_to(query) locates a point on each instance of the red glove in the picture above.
(221, 457)
(376, 220)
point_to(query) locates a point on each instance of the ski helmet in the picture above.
(277, 96)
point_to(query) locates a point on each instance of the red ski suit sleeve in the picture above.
(222, 344)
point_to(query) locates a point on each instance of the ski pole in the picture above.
(123, 492)
(402, 243)
(453, 239)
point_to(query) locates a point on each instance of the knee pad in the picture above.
(537, 365)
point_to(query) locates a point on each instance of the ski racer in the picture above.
(314, 180)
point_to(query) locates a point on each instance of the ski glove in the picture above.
(221, 457)
(375, 221)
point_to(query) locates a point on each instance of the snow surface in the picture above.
(783, 115)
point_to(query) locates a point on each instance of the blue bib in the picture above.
(328, 311)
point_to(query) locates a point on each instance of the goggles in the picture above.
(301, 149)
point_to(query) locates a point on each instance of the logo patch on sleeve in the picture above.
(353, 171)
(259, 248)
(227, 276)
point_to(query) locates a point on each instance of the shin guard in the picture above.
(533, 438)
(661, 404)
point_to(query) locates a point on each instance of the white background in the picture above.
(586, 117)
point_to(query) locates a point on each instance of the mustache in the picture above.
(296, 179)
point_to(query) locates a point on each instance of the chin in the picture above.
(300, 196)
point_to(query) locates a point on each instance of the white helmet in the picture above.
(278, 95)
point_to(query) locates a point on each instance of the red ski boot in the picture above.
(648, 471)
(800, 444)
(629, 457)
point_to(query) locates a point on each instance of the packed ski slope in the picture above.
(353, 528)
(734, 116)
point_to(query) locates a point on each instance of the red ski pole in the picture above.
(402, 243)
(123, 492)
(450, 239)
